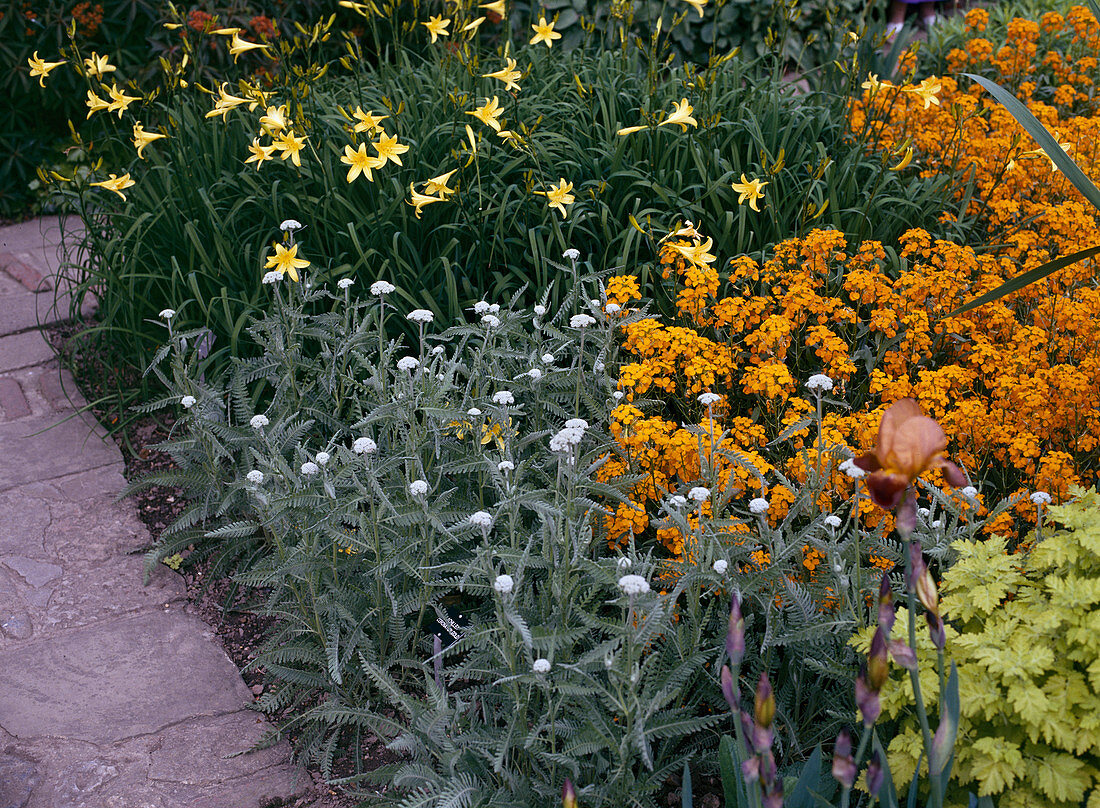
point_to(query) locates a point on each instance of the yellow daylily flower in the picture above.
(388, 148)
(115, 183)
(681, 114)
(1041, 152)
(874, 85)
(119, 100)
(508, 136)
(96, 66)
(438, 185)
(95, 103)
(544, 32)
(227, 31)
(368, 121)
(275, 120)
(473, 25)
(437, 27)
(496, 7)
(291, 146)
(237, 46)
(927, 90)
(697, 5)
(286, 261)
(906, 159)
(360, 162)
(698, 254)
(143, 139)
(489, 113)
(225, 103)
(420, 200)
(630, 130)
(752, 190)
(508, 74)
(558, 196)
(260, 154)
(41, 68)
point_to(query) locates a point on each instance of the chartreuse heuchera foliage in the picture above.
(1025, 635)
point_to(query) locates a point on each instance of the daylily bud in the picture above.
(764, 703)
(735, 634)
(568, 795)
(886, 613)
(878, 663)
(867, 700)
(731, 693)
(902, 654)
(926, 592)
(874, 774)
(844, 767)
(936, 630)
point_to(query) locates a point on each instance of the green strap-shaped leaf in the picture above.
(1044, 138)
(1027, 278)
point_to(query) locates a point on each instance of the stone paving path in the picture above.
(111, 696)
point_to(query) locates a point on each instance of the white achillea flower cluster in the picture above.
(624, 563)
(258, 421)
(364, 446)
(272, 277)
(850, 468)
(344, 283)
(572, 254)
(418, 488)
(482, 519)
(167, 314)
(422, 316)
(481, 307)
(566, 439)
(539, 310)
(699, 494)
(323, 458)
(534, 373)
(506, 465)
(255, 477)
(721, 565)
(408, 363)
(970, 492)
(473, 412)
(503, 398)
(677, 501)
(1040, 498)
(759, 505)
(187, 402)
(633, 585)
(547, 358)
(819, 383)
(490, 321)
(613, 308)
(541, 665)
(382, 288)
(581, 321)
(708, 399)
(309, 468)
(576, 423)
(504, 584)
(290, 225)
(832, 520)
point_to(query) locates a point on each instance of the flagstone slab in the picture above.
(44, 447)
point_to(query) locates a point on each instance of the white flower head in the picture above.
(534, 373)
(481, 307)
(1040, 498)
(437, 350)
(850, 468)
(503, 398)
(187, 402)
(612, 308)
(819, 383)
(258, 421)
(167, 314)
(618, 395)
(970, 492)
(677, 501)
(624, 563)
(633, 585)
(936, 525)
(274, 276)
(364, 446)
(833, 521)
(576, 423)
(344, 283)
(759, 505)
(565, 440)
(572, 254)
(323, 458)
(255, 477)
(381, 288)
(290, 225)
(309, 468)
(418, 488)
(422, 316)
(581, 321)
(494, 308)
(540, 310)
(473, 412)
(707, 399)
(408, 363)
(541, 665)
(548, 358)
(490, 321)
(504, 584)
(506, 465)
(482, 519)
(721, 565)
(699, 494)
